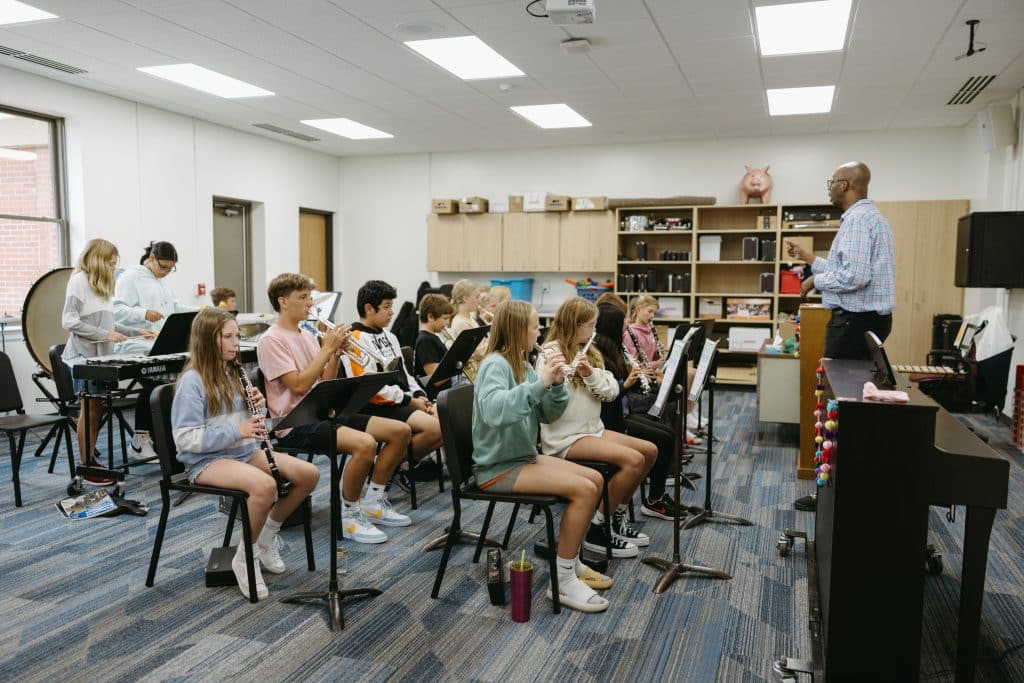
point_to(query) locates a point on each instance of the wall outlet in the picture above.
(545, 286)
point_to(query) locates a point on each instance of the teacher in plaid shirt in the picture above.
(858, 279)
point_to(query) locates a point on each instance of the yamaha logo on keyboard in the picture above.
(153, 370)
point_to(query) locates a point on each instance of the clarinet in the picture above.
(644, 362)
(662, 354)
(645, 381)
(283, 485)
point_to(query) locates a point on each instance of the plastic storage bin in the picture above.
(591, 293)
(521, 287)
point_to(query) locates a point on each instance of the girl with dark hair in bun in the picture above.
(142, 300)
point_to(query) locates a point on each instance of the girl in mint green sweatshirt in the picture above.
(510, 401)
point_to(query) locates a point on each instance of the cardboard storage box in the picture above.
(709, 307)
(743, 338)
(671, 307)
(589, 203)
(473, 205)
(710, 248)
(444, 205)
(515, 203)
(534, 201)
(499, 205)
(556, 202)
(805, 241)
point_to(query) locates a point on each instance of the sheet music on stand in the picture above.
(676, 356)
(703, 366)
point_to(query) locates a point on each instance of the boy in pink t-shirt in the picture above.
(292, 363)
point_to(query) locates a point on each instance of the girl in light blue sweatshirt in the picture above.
(510, 400)
(218, 441)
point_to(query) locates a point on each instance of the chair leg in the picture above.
(165, 510)
(533, 513)
(556, 603)
(607, 519)
(71, 451)
(231, 522)
(511, 523)
(453, 535)
(122, 427)
(307, 527)
(412, 482)
(45, 441)
(632, 514)
(55, 429)
(16, 464)
(250, 560)
(483, 532)
(440, 471)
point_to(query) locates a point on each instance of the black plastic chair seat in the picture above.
(17, 423)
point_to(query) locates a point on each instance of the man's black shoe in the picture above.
(807, 503)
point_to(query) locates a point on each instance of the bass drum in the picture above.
(40, 317)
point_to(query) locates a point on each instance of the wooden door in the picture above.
(587, 242)
(482, 240)
(445, 243)
(935, 257)
(530, 242)
(314, 248)
(902, 217)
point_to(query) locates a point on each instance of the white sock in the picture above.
(373, 492)
(598, 518)
(348, 508)
(566, 571)
(622, 509)
(580, 567)
(269, 533)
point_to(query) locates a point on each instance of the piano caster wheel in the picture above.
(787, 669)
(75, 487)
(785, 543)
(932, 560)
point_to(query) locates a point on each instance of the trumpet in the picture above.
(470, 367)
(364, 355)
(283, 485)
(645, 381)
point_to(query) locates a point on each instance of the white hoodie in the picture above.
(138, 290)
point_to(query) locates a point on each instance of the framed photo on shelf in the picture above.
(748, 309)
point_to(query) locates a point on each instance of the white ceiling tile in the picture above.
(795, 71)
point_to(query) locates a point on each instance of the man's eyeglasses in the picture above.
(165, 268)
(831, 181)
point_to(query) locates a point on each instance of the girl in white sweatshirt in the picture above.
(579, 433)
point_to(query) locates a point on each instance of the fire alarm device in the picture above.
(200, 289)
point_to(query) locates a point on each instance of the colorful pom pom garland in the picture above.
(824, 431)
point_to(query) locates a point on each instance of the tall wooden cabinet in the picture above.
(531, 241)
(470, 242)
(587, 242)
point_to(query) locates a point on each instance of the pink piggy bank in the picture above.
(756, 184)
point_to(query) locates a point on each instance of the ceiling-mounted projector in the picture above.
(571, 11)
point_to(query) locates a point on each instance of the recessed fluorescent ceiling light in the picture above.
(802, 27)
(16, 154)
(552, 116)
(467, 57)
(790, 101)
(14, 12)
(206, 80)
(347, 128)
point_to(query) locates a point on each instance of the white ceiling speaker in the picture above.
(996, 126)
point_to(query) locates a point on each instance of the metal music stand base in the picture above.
(674, 569)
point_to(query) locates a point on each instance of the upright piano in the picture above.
(866, 566)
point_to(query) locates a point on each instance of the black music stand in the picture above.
(174, 334)
(456, 357)
(677, 366)
(333, 401)
(709, 361)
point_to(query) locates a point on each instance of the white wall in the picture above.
(136, 173)
(387, 197)
(999, 186)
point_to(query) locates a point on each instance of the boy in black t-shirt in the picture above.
(435, 315)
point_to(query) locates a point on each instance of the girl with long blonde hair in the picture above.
(218, 441)
(88, 316)
(579, 434)
(510, 400)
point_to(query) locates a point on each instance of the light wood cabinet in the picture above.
(464, 242)
(587, 242)
(531, 242)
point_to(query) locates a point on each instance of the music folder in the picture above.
(458, 355)
(336, 399)
(174, 334)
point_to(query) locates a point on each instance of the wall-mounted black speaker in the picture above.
(988, 250)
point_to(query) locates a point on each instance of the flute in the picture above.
(283, 485)
(570, 369)
(645, 381)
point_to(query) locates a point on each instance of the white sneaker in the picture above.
(694, 423)
(357, 528)
(692, 439)
(238, 567)
(381, 512)
(270, 556)
(142, 444)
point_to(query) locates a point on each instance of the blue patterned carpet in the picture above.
(74, 606)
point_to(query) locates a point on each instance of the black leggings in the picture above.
(658, 433)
